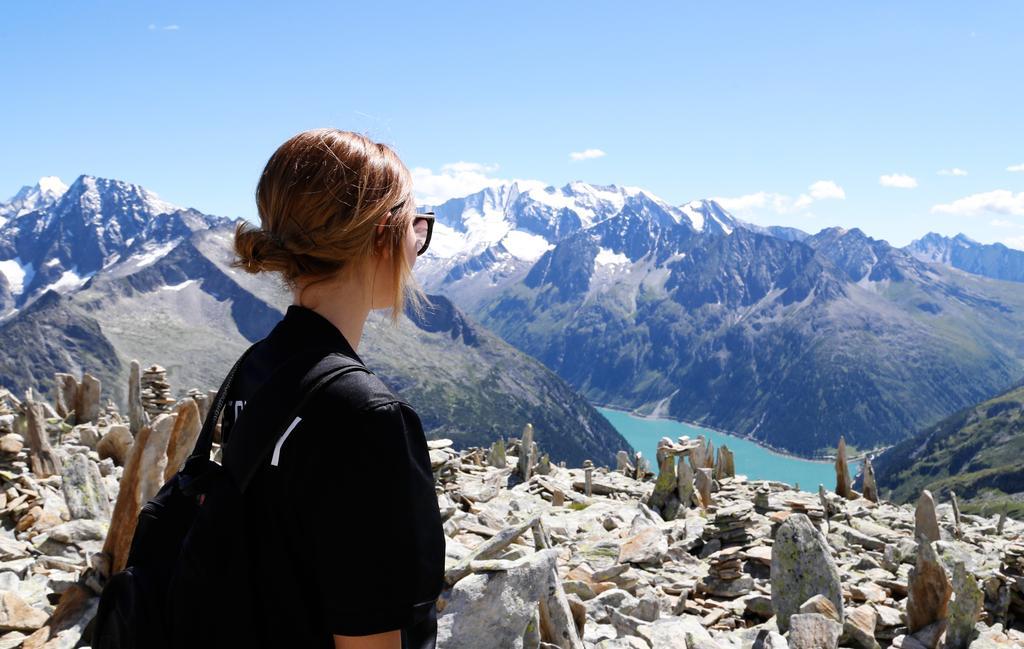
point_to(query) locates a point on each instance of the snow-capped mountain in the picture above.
(58, 237)
(29, 198)
(108, 273)
(494, 236)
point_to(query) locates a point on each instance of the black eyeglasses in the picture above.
(423, 223)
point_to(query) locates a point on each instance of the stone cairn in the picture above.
(156, 392)
(538, 555)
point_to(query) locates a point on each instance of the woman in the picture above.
(344, 531)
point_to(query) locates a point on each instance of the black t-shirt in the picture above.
(344, 530)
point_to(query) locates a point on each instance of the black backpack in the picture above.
(186, 582)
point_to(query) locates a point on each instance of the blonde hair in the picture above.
(320, 198)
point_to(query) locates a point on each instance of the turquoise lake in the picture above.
(752, 460)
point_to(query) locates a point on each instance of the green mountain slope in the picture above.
(978, 453)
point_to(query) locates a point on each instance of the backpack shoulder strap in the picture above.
(204, 443)
(275, 405)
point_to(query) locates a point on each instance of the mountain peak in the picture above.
(30, 198)
(52, 185)
(92, 193)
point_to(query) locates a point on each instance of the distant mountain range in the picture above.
(674, 310)
(101, 272)
(977, 453)
(991, 260)
(686, 311)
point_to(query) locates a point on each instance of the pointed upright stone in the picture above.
(43, 460)
(957, 531)
(928, 589)
(684, 483)
(622, 463)
(137, 417)
(926, 519)
(703, 483)
(525, 451)
(843, 471)
(664, 499)
(544, 465)
(184, 434)
(870, 486)
(729, 465)
(802, 567)
(88, 405)
(697, 455)
(496, 456)
(66, 393)
(964, 610)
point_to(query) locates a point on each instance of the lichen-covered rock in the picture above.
(964, 610)
(83, 488)
(802, 567)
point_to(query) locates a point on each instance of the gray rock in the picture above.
(495, 605)
(813, 631)
(964, 610)
(84, 491)
(769, 640)
(870, 485)
(674, 632)
(78, 530)
(802, 567)
(647, 547)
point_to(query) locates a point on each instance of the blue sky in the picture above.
(790, 112)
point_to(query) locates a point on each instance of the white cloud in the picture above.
(166, 28)
(955, 171)
(1014, 242)
(999, 201)
(758, 200)
(588, 154)
(1002, 223)
(781, 203)
(457, 179)
(820, 190)
(1019, 167)
(899, 181)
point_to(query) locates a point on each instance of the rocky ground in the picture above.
(694, 556)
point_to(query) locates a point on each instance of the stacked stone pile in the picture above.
(539, 555)
(156, 391)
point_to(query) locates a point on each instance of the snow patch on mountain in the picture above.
(68, 280)
(18, 274)
(150, 254)
(178, 287)
(606, 257)
(525, 245)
